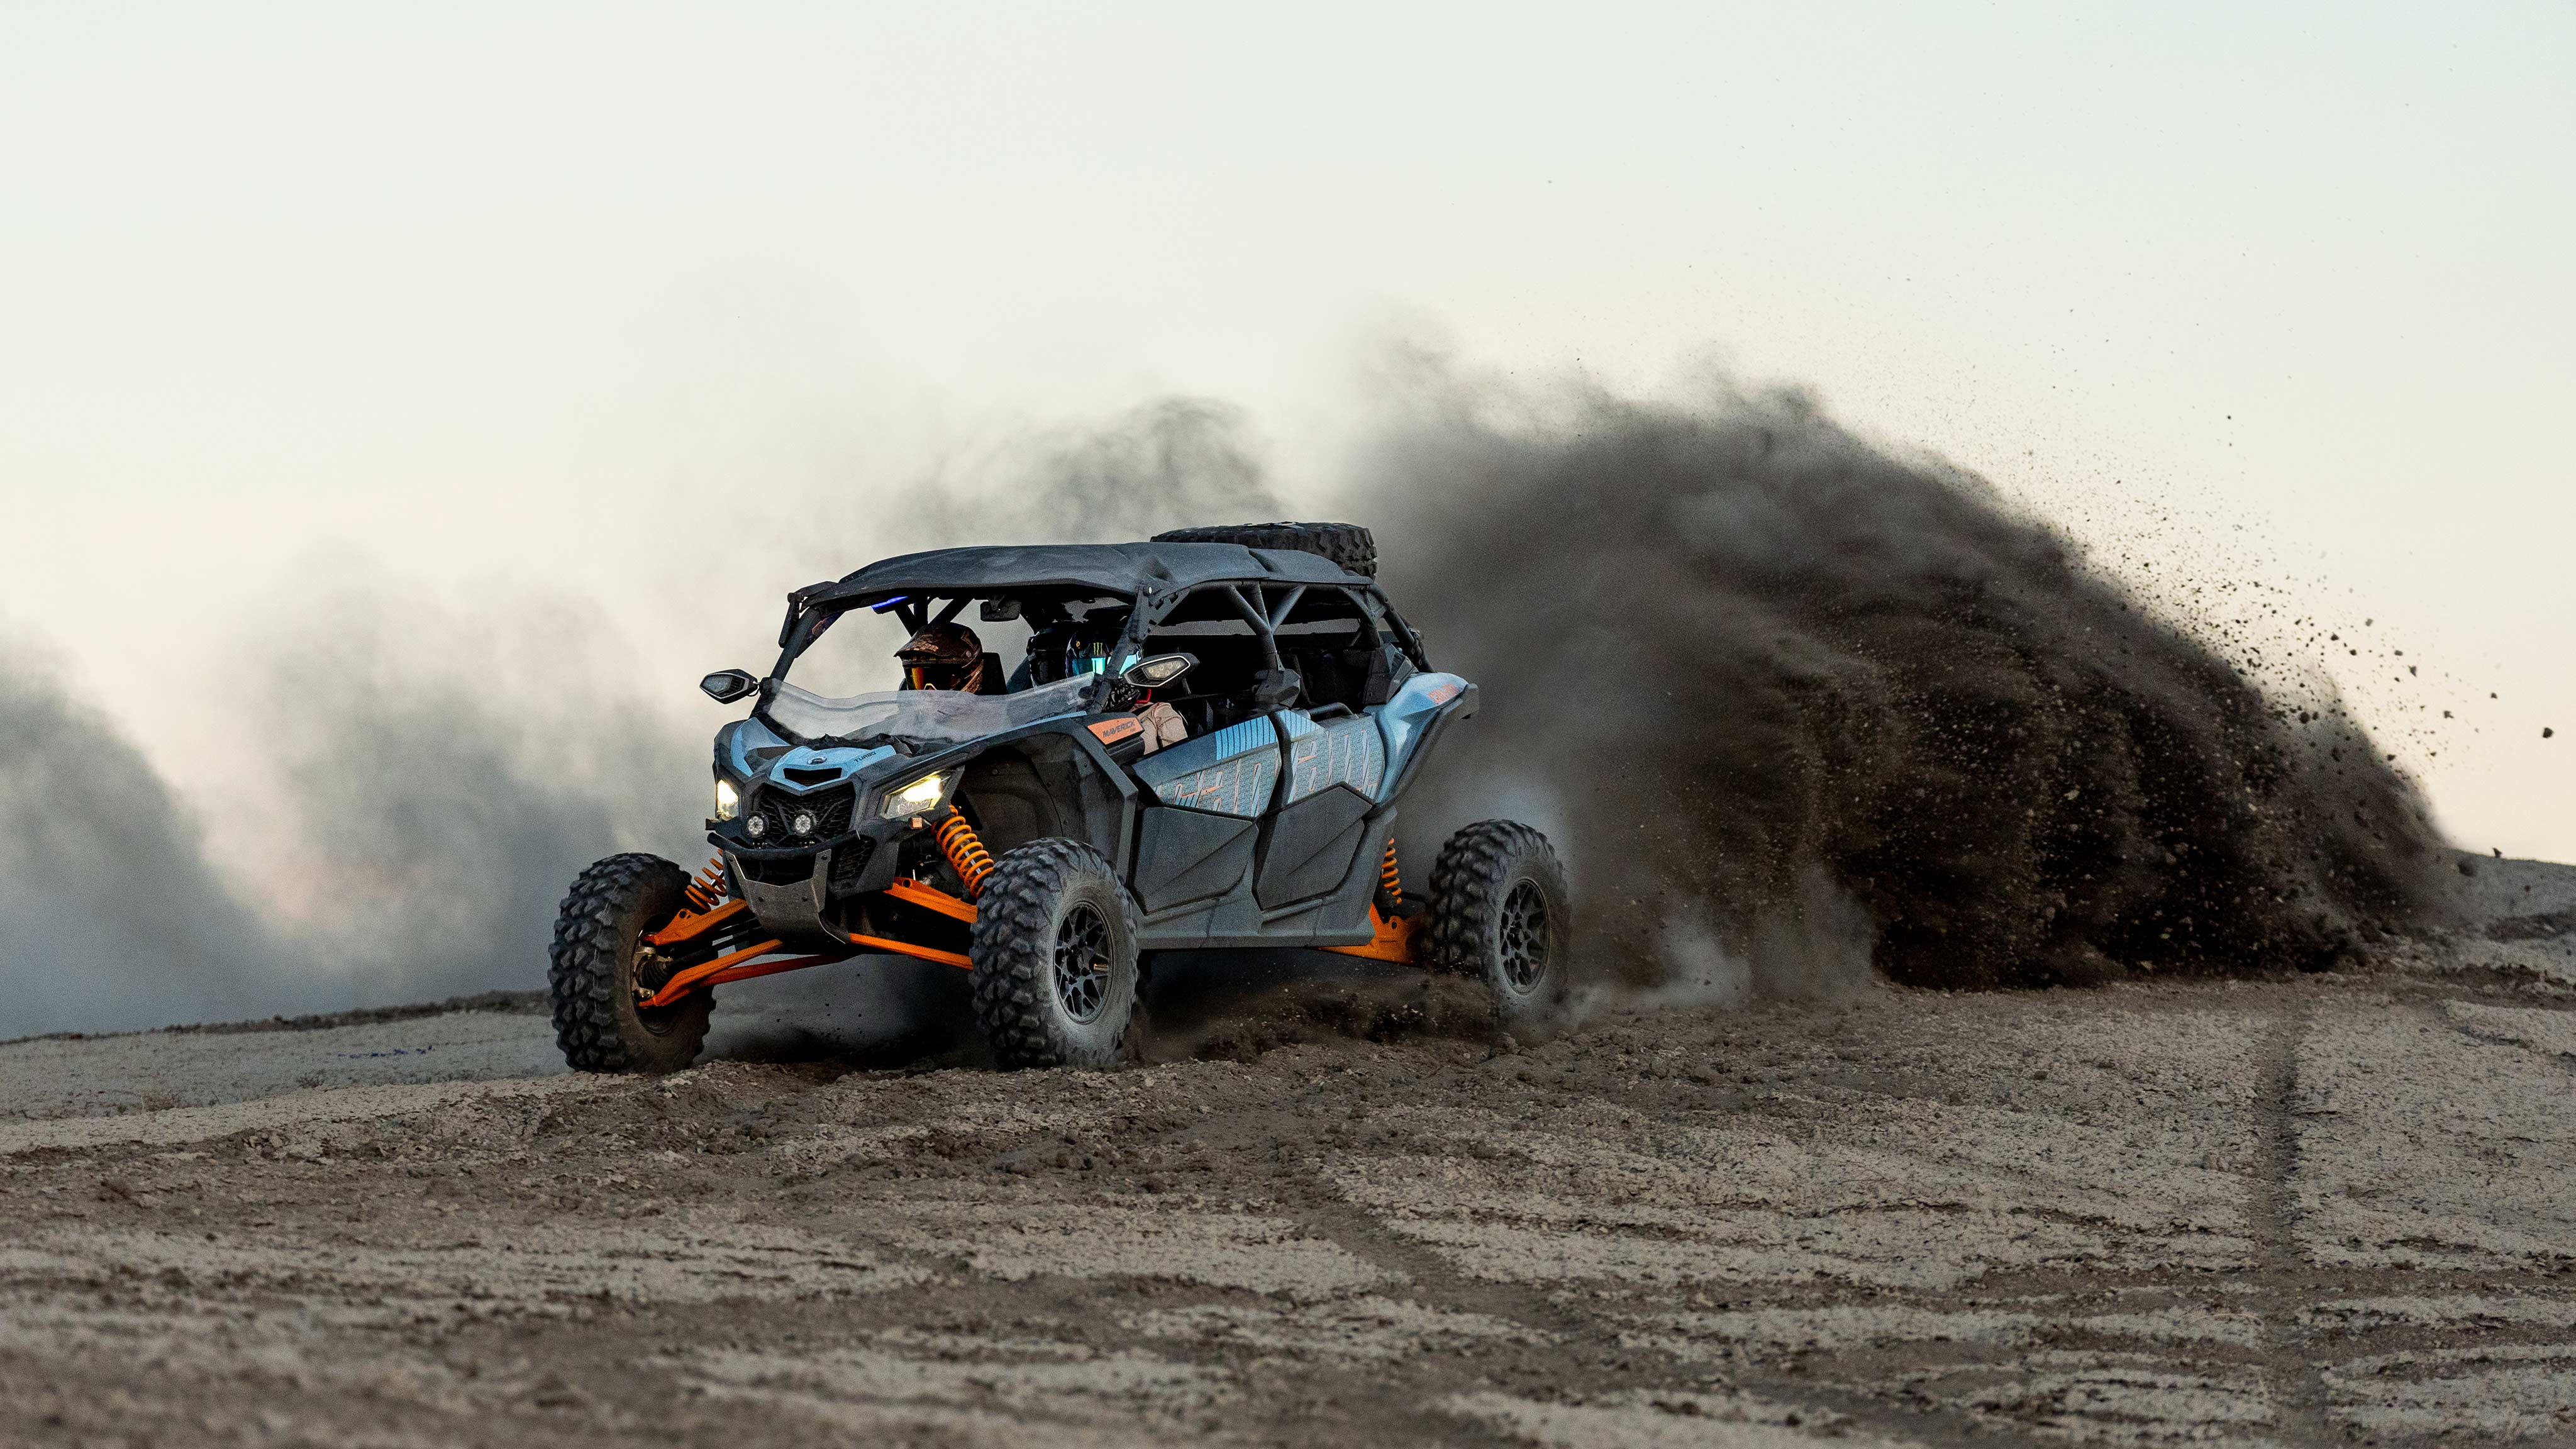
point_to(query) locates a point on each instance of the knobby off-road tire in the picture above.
(1347, 544)
(1501, 911)
(612, 907)
(1055, 957)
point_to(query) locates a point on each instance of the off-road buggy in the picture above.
(1044, 838)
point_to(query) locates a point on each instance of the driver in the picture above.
(948, 656)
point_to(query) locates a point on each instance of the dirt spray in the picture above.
(1792, 702)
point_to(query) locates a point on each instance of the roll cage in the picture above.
(1155, 586)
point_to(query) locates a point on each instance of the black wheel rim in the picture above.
(1523, 946)
(1082, 962)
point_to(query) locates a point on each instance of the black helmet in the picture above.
(944, 656)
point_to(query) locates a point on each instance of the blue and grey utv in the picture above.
(1202, 745)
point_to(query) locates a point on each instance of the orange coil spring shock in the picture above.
(709, 890)
(1389, 879)
(957, 840)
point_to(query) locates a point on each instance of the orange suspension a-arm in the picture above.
(745, 964)
(905, 888)
(906, 948)
(686, 927)
(704, 973)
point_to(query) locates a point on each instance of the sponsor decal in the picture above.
(1111, 731)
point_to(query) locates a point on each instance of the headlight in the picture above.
(728, 800)
(918, 798)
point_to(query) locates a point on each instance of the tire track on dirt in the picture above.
(1599, 1361)
(2272, 1221)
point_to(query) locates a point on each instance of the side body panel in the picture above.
(1231, 772)
(1307, 876)
(1196, 841)
(1334, 771)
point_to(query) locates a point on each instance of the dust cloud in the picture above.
(1795, 706)
(440, 776)
(1792, 707)
(427, 784)
(423, 781)
(1162, 465)
(109, 911)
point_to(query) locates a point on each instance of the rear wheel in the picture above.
(1501, 911)
(1055, 957)
(593, 974)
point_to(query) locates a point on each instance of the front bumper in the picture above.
(792, 888)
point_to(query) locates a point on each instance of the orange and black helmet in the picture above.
(944, 656)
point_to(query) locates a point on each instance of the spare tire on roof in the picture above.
(1347, 544)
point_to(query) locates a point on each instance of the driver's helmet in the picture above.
(944, 656)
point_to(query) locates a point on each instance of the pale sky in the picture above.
(479, 298)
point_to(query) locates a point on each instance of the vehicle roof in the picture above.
(1107, 568)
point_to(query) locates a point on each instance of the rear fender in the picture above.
(1413, 722)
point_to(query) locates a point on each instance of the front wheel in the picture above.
(1501, 911)
(1055, 957)
(599, 937)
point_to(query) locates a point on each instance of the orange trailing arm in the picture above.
(1394, 941)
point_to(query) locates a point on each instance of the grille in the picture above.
(831, 809)
(848, 859)
(787, 870)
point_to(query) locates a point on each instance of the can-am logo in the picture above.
(1111, 731)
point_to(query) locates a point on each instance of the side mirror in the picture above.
(1160, 670)
(727, 685)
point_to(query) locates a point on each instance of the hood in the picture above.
(755, 755)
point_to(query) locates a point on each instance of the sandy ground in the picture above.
(2328, 1210)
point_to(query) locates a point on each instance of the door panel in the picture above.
(1345, 751)
(1199, 841)
(1311, 846)
(1332, 774)
(1188, 855)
